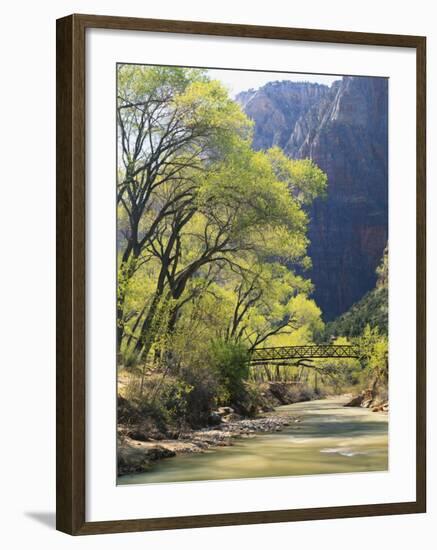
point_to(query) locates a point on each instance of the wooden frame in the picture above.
(71, 244)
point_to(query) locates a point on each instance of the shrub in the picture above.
(163, 399)
(230, 361)
(250, 400)
(206, 392)
(175, 397)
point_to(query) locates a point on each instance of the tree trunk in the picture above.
(148, 330)
(130, 250)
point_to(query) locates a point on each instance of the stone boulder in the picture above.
(214, 419)
(355, 401)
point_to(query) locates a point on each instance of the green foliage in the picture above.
(303, 178)
(371, 310)
(345, 373)
(210, 236)
(230, 361)
(382, 270)
(368, 372)
(174, 397)
(207, 392)
(195, 201)
(374, 348)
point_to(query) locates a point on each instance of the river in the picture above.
(328, 438)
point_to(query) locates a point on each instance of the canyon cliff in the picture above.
(343, 128)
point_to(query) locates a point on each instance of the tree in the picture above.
(374, 348)
(171, 121)
(199, 208)
(264, 303)
(241, 212)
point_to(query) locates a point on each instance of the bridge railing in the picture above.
(314, 351)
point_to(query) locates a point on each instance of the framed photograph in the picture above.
(240, 274)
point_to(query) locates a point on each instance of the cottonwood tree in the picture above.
(240, 208)
(172, 123)
(196, 203)
(262, 303)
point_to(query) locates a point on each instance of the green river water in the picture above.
(329, 438)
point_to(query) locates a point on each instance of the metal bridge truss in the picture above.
(284, 355)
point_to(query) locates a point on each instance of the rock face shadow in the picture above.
(45, 518)
(344, 130)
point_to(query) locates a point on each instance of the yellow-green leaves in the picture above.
(303, 178)
(209, 230)
(207, 103)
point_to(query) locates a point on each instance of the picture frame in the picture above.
(71, 204)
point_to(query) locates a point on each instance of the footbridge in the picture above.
(290, 354)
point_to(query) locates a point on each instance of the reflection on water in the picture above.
(329, 439)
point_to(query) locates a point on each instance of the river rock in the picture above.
(145, 433)
(135, 457)
(380, 407)
(158, 452)
(214, 418)
(355, 401)
(364, 399)
(224, 411)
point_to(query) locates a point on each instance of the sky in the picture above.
(238, 81)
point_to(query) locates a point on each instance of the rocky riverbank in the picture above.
(136, 456)
(142, 440)
(368, 399)
(142, 444)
